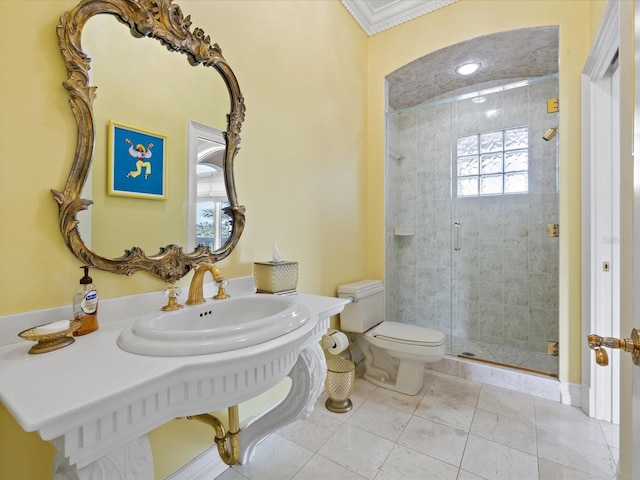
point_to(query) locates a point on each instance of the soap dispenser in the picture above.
(85, 305)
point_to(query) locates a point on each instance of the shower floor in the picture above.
(505, 354)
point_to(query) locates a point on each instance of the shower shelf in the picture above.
(403, 231)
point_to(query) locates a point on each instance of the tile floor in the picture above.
(454, 429)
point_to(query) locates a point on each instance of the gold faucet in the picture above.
(196, 297)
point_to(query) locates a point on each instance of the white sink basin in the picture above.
(213, 327)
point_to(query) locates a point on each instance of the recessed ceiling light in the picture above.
(479, 99)
(468, 68)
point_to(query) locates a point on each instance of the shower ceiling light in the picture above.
(468, 68)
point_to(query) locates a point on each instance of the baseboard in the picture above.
(205, 466)
(571, 394)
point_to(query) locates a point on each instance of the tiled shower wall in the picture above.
(502, 286)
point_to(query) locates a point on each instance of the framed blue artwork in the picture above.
(137, 162)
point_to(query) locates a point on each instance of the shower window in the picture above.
(493, 163)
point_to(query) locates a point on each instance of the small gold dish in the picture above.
(50, 339)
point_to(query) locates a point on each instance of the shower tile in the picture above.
(516, 219)
(465, 318)
(543, 255)
(516, 289)
(426, 314)
(544, 291)
(491, 319)
(543, 325)
(427, 275)
(490, 253)
(490, 292)
(516, 322)
(515, 255)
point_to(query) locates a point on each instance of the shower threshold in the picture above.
(471, 356)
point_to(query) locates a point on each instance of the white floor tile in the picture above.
(575, 452)
(508, 431)
(383, 421)
(313, 432)
(434, 439)
(464, 475)
(357, 450)
(319, 468)
(406, 464)
(456, 389)
(399, 401)
(564, 418)
(554, 471)
(498, 462)
(507, 402)
(501, 434)
(230, 474)
(445, 410)
(276, 459)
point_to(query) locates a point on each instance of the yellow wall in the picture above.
(300, 170)
(311, 168)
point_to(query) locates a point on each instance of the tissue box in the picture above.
(275, 277)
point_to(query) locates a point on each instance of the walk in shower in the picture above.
(472, 221)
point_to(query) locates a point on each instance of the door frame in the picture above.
(600, 386)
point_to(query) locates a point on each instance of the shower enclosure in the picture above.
(471, 222)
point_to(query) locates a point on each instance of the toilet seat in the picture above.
(408, 334)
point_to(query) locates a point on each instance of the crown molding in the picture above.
(387, 14)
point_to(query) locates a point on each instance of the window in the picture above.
(493, 163)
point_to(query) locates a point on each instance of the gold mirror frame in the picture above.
(164, 21)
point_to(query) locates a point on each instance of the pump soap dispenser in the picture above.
(85, 305)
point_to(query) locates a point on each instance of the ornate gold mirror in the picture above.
(148, 20)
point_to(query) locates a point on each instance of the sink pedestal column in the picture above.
(307, 379)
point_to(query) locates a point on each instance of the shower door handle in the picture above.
(457, 240)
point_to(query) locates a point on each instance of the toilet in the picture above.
(395, 353)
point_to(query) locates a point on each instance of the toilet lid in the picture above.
(410, 334)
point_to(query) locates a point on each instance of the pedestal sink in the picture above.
(214, 327)
(99, 426)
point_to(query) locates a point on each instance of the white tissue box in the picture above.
(275, 277)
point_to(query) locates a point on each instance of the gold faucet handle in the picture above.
(172, 294)
(631, 345)
(222, 294)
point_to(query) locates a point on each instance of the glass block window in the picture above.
(493, 163)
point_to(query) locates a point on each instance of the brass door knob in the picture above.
(631, 345)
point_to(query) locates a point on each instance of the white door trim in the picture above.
(598, 142)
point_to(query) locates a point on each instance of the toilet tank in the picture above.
(367, 309)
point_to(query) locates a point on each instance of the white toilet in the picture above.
(394, 353)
